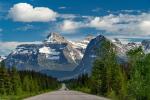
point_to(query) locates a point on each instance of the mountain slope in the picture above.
(90, 54)
(56, 53)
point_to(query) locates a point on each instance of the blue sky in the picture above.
(26, 21)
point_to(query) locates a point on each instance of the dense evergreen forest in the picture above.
(119, 81)
(19, 84)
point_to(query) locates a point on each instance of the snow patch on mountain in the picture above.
(79, 45)
(48, 50)
(45, 50)
(2, 58)
(23, 50)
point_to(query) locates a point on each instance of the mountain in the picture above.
(146, 46)
(82, 44)
(90, 54)
(55, 53)
(64, 59)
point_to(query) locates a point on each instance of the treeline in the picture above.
(13, 82)
(82, 83)
(119, 81)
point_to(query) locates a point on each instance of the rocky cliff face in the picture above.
(90, 54)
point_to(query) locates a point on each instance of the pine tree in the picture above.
(99, 78)
(136, 84)
(107, 75)
(26, 84)
(3, 74)
(16, 81)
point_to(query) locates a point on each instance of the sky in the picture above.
(30, 21)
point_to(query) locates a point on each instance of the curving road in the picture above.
(65, 94)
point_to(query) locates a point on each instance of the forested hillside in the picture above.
(19, 84)
(119, 81)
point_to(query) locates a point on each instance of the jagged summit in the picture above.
(55, 38)
(100, 37)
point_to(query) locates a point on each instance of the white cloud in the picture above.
(145, 26)
(69, 25)
(104, 23)
(25, 12)
(123, 24)
(67, 16)
(118, 24)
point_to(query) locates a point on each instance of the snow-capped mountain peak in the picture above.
(55, 38)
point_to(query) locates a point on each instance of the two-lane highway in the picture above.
(66, 95)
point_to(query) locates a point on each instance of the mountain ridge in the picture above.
(64, 59)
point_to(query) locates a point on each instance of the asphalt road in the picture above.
(65, 95)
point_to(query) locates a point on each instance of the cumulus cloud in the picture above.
(145, 26)
(111, 23)
(69, 25)
(138, 24)
(117, 24)
(122, 24)
(104, 23)
(24, 12)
